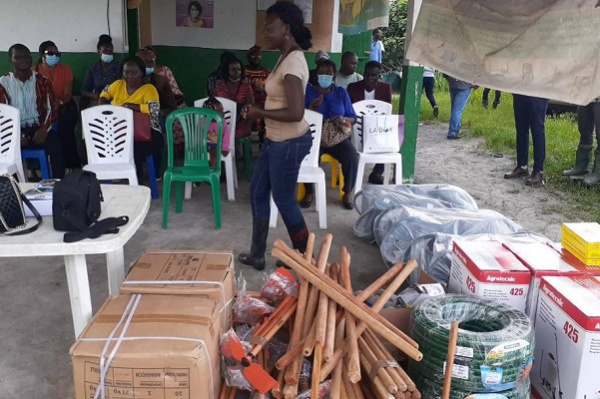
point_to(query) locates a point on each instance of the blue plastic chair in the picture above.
(152, 176)
(40, 155)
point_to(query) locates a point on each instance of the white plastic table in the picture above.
(119, 200)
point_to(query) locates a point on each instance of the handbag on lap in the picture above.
(141, 127)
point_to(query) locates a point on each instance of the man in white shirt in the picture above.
(347, 73)
(377, 49)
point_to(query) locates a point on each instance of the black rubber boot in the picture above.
(299, 237)
(593, 178)
(256, 257)
(582, 162)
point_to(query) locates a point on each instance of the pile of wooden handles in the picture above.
(340, 332)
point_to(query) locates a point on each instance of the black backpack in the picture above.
(76, 201)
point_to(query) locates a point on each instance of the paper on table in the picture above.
(540, 48)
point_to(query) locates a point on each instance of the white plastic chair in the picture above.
(230, 117)
(10, 142)
(310, 172)
(108, 134)
(373, 107)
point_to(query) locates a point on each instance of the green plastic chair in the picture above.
(196, 168)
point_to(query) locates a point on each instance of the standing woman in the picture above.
(61, 77)
(288, 136)
(102, 74)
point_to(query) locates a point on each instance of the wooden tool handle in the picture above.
(450, 360)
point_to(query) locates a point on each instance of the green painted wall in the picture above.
(191, 66)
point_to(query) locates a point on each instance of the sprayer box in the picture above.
(567, 339)
(488, 270)
(544, 260)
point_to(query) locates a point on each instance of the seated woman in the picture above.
(257, 75)
(131, 93)
(213, 103)
(60, 75)
(101, 74)
(235, 88)
(338, 117)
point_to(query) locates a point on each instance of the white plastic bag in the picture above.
(380, 134)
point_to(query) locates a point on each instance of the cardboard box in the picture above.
(203, 273)
(546, 260)
(567, 339)
(584, 236)
(153, 346)
(41, 200)
(577, 252)
(488, 270)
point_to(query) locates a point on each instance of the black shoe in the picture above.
(307, 201)
(453, 137)
(347, 201)
(436, 111)
(536, 179)
(519, 171)
(375, 178)
(256, 257)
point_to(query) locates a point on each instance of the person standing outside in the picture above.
(530, 114)
(588, 119)
(428, 87)
(460, 92)
(485, 98)
(32, 94)
(347, 73)
(377, 49)
(288, 140)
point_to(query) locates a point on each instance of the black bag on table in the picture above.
(76, 208)
(12, 214)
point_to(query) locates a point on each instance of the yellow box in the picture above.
(576, 252)
(583, 236)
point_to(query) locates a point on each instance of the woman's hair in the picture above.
(291, 15)
(104, 40)
(196, 4)
(327, 62)
(43, 47)
(227, 63)
(211, 103)
(132, 59)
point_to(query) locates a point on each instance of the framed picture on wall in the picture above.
(194, 14)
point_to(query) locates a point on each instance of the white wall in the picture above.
(234, 26)
(74, 25)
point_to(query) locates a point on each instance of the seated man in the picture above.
(32, 94)
(372, 89)
(347, 73)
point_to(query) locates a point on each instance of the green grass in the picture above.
(498, 130)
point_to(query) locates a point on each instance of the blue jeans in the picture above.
(530, 113)
(458, 101)
(276, 171)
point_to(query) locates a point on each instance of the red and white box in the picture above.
(545, 260)
(488, 270)
(567, 339)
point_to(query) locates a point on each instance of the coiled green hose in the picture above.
(433, 390)
(494, 349)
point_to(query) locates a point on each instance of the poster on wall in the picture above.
(194, 14)
(537, 48)
(305, 5)
(357, 16)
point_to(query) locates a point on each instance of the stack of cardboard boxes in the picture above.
(561, 294)
(160, 338)
(583, 241)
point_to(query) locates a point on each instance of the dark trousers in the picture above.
(588, 119)
(428, 86)
(346, 155)
(530, 115)
(486, 93)
(68, 116)
(276, 172)
(51, 146)
(142, 149)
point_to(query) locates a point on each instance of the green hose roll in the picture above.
(494, 349)
(433, 390)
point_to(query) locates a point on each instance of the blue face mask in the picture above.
(106, 58)
(52, 60)
(325, 81)
(149, 71)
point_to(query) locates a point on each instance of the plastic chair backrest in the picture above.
(315, 120)
(108, 134)
(195, 123)
(10, 134)
(229, 114)
(367, 107)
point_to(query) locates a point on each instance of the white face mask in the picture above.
(195, 14)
